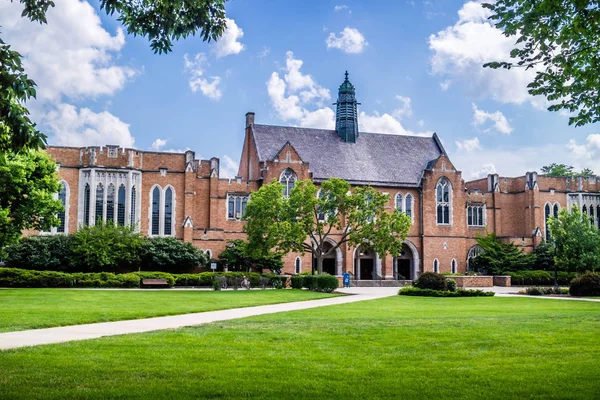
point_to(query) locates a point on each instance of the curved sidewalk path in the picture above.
(35, 337)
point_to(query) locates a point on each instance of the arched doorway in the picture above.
(366, 263)
(473, 252)
(406, 263)
(330, 263)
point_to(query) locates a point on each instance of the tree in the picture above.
(237, 258)
(576, 240)
(161, 21)
(555, 169)
(560, 38)
(544, 253)
(168, 254)
(311, 217)
(500, 257)
(29, 183)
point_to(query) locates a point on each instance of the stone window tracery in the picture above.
(444, 202)
(288, 179)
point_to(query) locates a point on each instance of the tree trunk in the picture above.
(319, 265)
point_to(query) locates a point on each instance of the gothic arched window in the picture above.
(298, 265)
(86, 204)
(132, 220)
(443, 202)
(288, 179)
(168, 230)
(453, 266)
(436, 266)
(110, 203)
(99, 202)
(121, 206)
(64, 199)
(399, 202)
(409, 205)
(155, 223)
(547, 214)
(473, 252)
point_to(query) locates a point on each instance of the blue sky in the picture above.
(416, 66)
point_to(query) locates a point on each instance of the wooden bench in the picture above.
(148, 283)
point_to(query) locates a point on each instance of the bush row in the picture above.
(540, 291)
(324, 282)
(415, 291)
(587, 284)
(539, 278)
(20, 278)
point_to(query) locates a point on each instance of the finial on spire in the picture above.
(346, 75)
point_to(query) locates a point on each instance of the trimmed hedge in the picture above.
(431, 280)
(414, 291)
(539, 278)
(323, 283)
(540, 291)
(587, 284)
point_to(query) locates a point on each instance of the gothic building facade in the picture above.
(175, 194)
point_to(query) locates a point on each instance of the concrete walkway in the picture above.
(35, 337)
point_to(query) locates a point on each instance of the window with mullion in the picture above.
(155, 211)
(121, 206)
(236, 206)
(62, 196)
(110, 203)
(168, 228)
(99, 202)
(443, 202)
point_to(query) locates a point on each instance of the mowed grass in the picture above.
(400, 347)
(41, 308)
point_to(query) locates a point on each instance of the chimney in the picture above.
(249, 118)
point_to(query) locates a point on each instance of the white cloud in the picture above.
(71, 56)
(484, 171)
(264, 52)
(421, 123)
(228, 167)
(85, 127)
(229, 42)
(468, 145)
(460, 50)
(158, 144)
(405, 110)
(350, 41)
(500, 123)
(323, 118)
(196, 68)
(445, 84)
(342, 7)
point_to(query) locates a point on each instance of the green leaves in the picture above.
(560, 39)
(500, 257)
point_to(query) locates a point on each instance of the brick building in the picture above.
(175, 194)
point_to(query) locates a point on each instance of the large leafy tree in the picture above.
(555, 169)
(29, 182)
(500, 257)
(161, 21)
(576, 240)
(310, 216)
(560, 39)
(237, 257)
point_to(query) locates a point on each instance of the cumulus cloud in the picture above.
(484, 171)
(158, 144)
(228, 167)
(342, 7)
(459, 52)
(229, 43)
(406, 109)
(350, 41)
(468, 145)
(83, 127)
(195, 67)
(500, 123)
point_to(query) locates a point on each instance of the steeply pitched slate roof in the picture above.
(376, 159)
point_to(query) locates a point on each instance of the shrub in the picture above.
(327, 283)
(451, 285)
(157, 275)
(167, 254)
(540, 291)
(587, 284)
(539, 278)
(15, 277)
(49, 253)
(431, 280)
(309, 282)
(205, 279)
(277, 281)
(414, 291)
(105, 247)
(296, 281)
(534, 291)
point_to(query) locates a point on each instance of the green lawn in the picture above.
(400, 347)
(41, 308)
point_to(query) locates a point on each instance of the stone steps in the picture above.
(378, 283)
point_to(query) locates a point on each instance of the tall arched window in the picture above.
(557, 208)
(453, 266)
(155, 223)
(444, 202)
(399, 202)
(132, 220)
(288, 179)
(436, 266)
(298, 265)
(99, 202)
(62, 216)
(592, 221)
(168, 211)
(473, 252)
(409, 206)
(86, 204)
(584, 209)
(121, 206)
(547, 214)
(110, 203)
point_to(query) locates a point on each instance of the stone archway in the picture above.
(332, 264)
(367, 263)
(406, 265)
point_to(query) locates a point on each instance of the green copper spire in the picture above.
(346, 115)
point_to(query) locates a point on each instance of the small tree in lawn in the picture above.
(576, 240)
(236, 257)
(501, 257)
(310, 216)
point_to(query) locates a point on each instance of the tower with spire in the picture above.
(346, 115)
